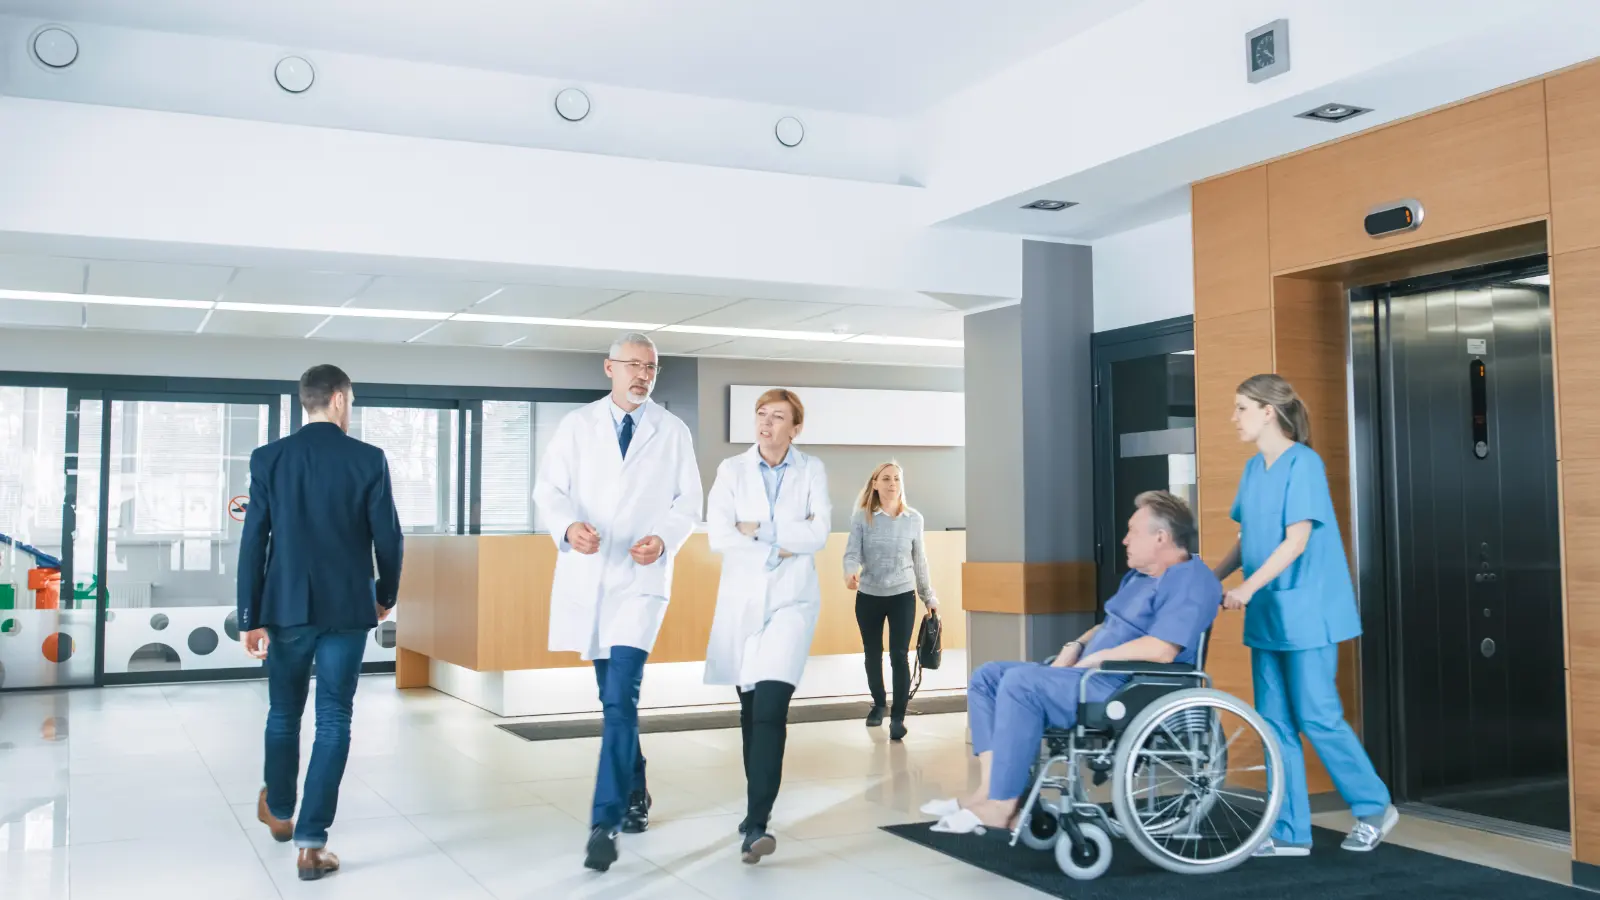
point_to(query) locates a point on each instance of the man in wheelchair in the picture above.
(1159, 614)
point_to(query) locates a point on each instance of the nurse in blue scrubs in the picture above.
(1299, 604)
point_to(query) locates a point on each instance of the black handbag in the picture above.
(930, 648)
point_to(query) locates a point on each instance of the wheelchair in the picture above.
(1196, 775)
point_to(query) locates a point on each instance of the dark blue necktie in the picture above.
(626, 437)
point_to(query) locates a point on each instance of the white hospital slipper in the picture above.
(962, 821)
(941, 808)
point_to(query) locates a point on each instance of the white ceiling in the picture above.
(427, 310)
(884, 57)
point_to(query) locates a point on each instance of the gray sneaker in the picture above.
(1370, 831)
(1270, 848)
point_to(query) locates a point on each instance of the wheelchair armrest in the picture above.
(1147, 668)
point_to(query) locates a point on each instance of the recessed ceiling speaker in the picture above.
(294, 74)
(54, 46)
(572, 105)
(790, 131)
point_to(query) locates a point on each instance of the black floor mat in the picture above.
(1327, 874)
(1543, 804)
(712, 721)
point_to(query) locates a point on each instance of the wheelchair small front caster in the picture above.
(1088, 859)
(1043, 830)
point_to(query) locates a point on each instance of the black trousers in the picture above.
(764, 719)
(901, 613)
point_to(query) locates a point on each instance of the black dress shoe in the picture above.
(637, 818)
(897, 729)
(601, 851)
(757, 843)
(744, 825)
(875, 717)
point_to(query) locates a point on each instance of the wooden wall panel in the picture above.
(1475, 166)
(488, 599)
(1573, 108)
(1575, 296)
(1029, 588)
(1230, 252)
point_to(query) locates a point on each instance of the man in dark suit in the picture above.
(321, 509)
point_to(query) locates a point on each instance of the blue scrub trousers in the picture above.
(1297, 693)
(621, 759)
(1009, 704)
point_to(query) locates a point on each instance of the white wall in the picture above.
(1144, 274)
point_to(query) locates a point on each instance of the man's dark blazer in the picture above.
(321, 508)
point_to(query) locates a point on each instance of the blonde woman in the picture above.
(768, 514)
(886, 566)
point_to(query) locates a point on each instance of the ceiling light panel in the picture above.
(103, 300)
(770, 333)
(131, 318)
(757, 313)
(43, 273)
(260, 324)
(570, 323)
(311, 288)
(355, 312)
(157, 280)
(545, 301)
(653, 307)
(395, 292)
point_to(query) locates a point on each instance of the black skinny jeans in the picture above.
(764, 720)
(901, 613)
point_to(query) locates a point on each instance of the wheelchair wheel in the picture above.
(1197, 781)
(1043, 828)
(1089, 860)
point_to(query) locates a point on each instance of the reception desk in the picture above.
(476, 615)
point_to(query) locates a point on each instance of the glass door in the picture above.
(1144, 430)
(177, 482)
(47, 622)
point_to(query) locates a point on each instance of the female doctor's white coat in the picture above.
(607, 600)
(766, 617)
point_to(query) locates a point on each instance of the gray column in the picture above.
(1030, 450)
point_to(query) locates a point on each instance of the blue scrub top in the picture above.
(1177, 608)
(1312, 603)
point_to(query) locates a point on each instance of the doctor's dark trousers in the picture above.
(764, 721)
(621, 760)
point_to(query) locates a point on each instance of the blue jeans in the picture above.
(1009, 704)
(621, 759)
(1296, 692)
(290, 654)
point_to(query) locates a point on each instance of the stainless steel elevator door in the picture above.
(1474, 545)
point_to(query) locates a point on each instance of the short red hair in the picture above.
(784, 395)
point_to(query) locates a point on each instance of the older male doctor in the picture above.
(620, 491)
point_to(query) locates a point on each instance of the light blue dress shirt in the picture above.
(617, 415)
(772, 479)
(1312, 603)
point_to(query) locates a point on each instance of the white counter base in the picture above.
(544, 692)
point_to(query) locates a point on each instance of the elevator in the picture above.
(1456, 543)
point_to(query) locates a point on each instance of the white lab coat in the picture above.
(766, 617)
(607, 600)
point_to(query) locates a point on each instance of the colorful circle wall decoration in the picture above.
(58, 647)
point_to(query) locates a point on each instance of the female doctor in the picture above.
(767, 514)
(1299, 605)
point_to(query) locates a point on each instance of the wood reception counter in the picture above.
(475, 611)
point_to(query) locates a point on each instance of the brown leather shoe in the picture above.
(282, 829)
(315, 863)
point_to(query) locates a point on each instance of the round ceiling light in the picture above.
(789, 131)
(55, 47)
(294, 74)
(572, 105)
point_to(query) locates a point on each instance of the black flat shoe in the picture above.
(637, 818)
(897, 729)
(875, 717)
(601, 851)
(757, 843)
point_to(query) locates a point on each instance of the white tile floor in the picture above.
(130, 793)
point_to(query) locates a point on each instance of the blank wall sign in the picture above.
(865, 418)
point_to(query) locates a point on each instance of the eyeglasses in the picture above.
(635, 366)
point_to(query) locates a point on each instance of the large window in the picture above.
(515, 435)
(421, 447)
